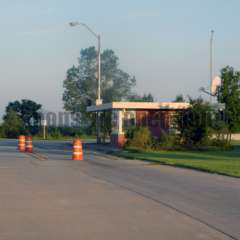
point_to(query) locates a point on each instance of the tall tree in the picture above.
(27, 110)
(13, 125)
(229, 94)
(80, 84)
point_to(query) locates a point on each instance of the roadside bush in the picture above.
(221, 135)
(195, 124)
(222, 144)
(167, 141)
(139, 137)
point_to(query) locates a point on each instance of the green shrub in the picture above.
(223, 144)
(167, 141)
(194, 124)
(139, 137)
(221, 135)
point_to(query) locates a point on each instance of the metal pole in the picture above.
(98, 90)
(99, 70)
(44, 132)
(98, 126)
(211, 63)
(99, 101)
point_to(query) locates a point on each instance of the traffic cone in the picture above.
(29, 145)
(77, 150)
(21, 143)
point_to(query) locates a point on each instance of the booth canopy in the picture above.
(139, 106)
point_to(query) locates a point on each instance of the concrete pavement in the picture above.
(48, 196)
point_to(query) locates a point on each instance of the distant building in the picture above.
(157, 116)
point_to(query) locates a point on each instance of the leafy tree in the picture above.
(229, 94)
(27, 110)
(80, 83)
(179, 98)
(13, 125)
(195, 123)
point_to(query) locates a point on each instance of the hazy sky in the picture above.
(164, 43)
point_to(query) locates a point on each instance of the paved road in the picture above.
(48, 196)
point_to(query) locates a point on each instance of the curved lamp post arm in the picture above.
(75, 24)
(90, 30)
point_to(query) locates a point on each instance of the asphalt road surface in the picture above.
(46, 195)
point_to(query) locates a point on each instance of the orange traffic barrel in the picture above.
(21, 143)
(77, 150)
(29, 145)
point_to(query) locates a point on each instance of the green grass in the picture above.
(221, 162)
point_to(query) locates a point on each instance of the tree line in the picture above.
(118, 85)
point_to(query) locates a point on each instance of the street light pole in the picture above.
(99, 100)
(98, 37)
(211, 62)
(98, 90)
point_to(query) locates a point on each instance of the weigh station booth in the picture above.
(157, 116)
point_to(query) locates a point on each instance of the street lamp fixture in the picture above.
(74, 24)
